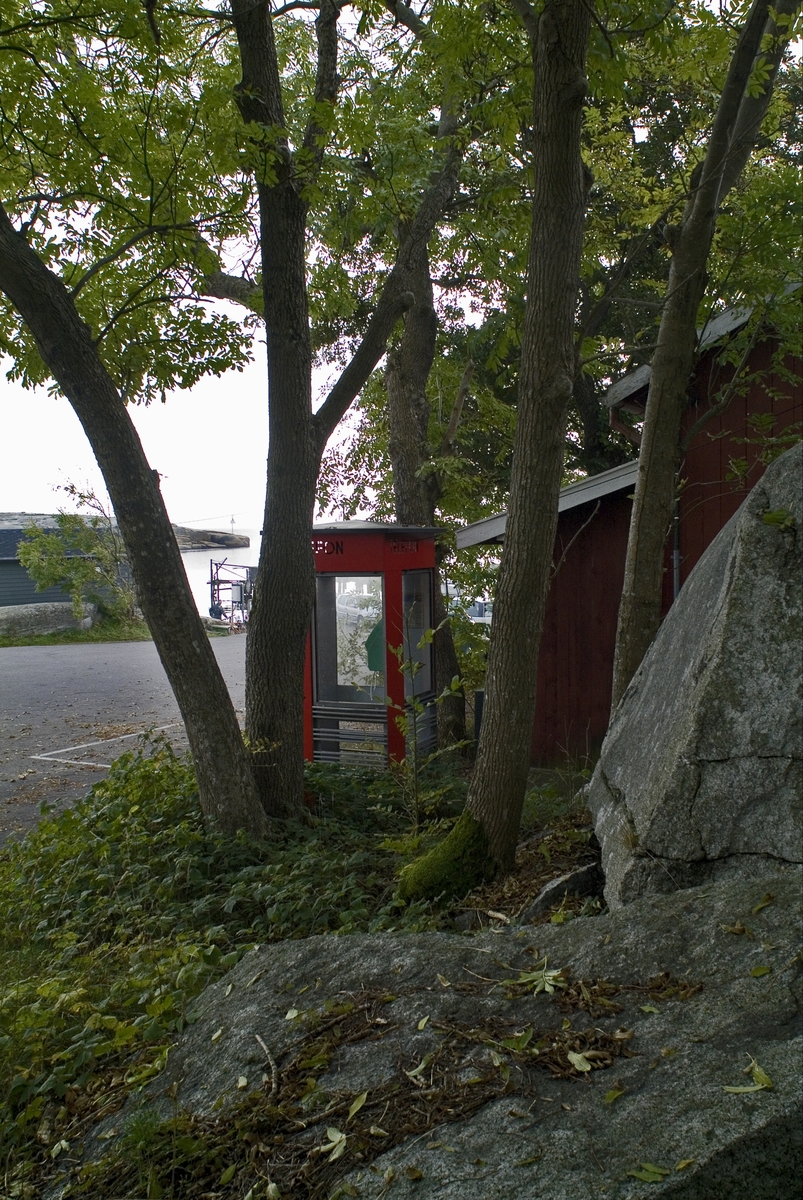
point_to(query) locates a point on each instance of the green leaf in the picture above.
(336, 1144)
(578, 1061)
(757, 972)
(649, 1008)
(649, 1173)
(781, 518)
(422, 1066)
(766, 899)
(520, 1041)
(357, 1105)
(227, 1175)
(613, 1095)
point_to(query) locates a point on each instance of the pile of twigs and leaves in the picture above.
(293, 1138)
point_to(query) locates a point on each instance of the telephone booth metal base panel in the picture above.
(369, 687)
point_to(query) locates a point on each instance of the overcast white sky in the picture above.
(209, 444)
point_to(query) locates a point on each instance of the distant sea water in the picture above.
(196, 564)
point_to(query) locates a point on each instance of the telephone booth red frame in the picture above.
(347, 721)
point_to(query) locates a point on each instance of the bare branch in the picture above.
(727, 394)
(395, 299)
(557, 566)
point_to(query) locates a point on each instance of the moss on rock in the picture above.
(452, 868)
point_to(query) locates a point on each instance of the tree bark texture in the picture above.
(416, 494)
(226, 788)
(736, 125)
(559, 38)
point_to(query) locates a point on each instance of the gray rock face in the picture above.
(537, 1136)
(27, 620)
(700, 773)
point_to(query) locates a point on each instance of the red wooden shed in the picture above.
(575, 665)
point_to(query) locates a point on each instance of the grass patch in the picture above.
(116, 913)
(108, 629)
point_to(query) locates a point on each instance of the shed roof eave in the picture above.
(593, 487)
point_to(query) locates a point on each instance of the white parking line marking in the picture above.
(50, 755)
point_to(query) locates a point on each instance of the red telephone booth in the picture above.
(373, 603)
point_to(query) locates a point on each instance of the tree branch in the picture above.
(259, 92)
(235, 288)
(139, 236)
(753, 109)
(447, 445)
(704, 199)
(728, 393)
(393, 302)
(315, 134)
(407, 17)
(528, 17)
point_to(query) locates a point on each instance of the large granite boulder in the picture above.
(31, 620)
(700, 773)
(445, 1079)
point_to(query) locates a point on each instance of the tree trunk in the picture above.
(736, 125)
(225, 785)
(283, 597)
(280, 619)
(559, 39)
(484, 840)
(406, 375)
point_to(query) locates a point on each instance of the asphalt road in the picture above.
(81, 707)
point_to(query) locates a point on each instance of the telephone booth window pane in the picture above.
(349, 638)
(417, 618)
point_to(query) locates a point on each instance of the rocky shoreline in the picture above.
(209, 539)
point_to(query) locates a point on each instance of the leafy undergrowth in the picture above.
(116, 913)
(108, 629)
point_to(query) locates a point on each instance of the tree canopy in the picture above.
(314, 163)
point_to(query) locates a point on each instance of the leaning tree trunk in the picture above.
(225, 785)
(484, 840)
(415, 495)
(736, 127)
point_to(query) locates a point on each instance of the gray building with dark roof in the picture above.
(16, 585)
